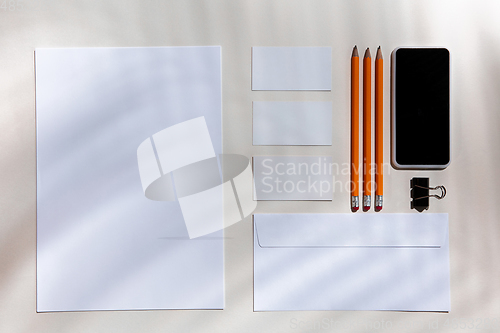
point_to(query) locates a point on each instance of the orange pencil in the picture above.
(379, 136)
(355, 130)
(367, 130)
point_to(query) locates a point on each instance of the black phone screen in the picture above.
(421, 107)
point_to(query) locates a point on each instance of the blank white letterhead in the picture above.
(102, 244)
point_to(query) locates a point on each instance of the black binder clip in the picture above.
(420, 193)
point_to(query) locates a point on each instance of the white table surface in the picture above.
(469, 29)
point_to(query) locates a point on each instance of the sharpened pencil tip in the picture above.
(367, 53)
(355, 51)
(379, 53)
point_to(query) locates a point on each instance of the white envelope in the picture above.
(351, 262)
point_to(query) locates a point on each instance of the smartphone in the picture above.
(420, 108)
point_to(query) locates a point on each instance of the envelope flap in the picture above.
(351, 230)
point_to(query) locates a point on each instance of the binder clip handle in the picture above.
(440, 187)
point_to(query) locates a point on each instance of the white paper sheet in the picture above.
(291, 68)
(292, 123)
(293, 177)
(101, 243)
(351, 262)
(183, 144)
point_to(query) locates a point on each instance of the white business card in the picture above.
(292, 123)
(292, 68)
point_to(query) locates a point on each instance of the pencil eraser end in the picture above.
(378, 208)
(354, 209)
